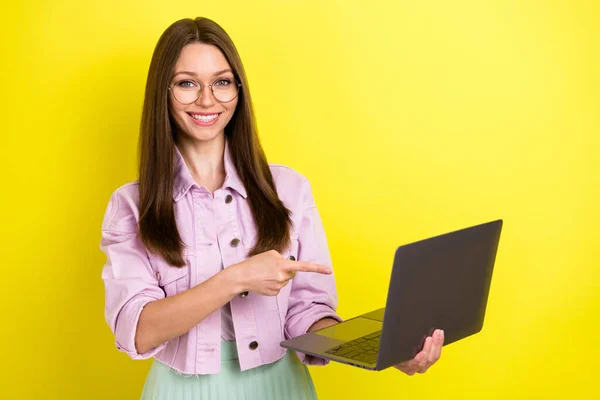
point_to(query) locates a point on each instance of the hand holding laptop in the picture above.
(432, 351)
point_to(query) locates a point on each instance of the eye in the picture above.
(222, 82)
(187, 84)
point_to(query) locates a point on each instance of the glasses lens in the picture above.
(225, 90)
(186, 92)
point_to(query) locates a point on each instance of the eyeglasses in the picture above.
(188, 91)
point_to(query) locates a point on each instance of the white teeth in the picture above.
(204, 118)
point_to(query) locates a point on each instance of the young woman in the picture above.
(214, 256)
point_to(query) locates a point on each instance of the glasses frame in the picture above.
(202, 86)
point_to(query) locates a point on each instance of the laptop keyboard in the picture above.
(362, 349)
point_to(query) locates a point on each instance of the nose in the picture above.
(206, 98)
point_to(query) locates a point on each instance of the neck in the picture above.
(204, 160)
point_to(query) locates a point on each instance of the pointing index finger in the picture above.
(307, 267)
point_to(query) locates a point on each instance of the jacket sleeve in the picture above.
(129, 280)
(312, 296)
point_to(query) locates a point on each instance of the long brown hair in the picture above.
(157, 226)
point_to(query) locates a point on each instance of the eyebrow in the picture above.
(221, 72)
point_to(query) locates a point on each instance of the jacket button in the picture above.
(253, 346)
(243, 294)
(228, 199)
(235, 242)
(292, 258)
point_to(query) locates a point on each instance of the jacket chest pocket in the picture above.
(172, 280)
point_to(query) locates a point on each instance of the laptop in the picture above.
(437, 283)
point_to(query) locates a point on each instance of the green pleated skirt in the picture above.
(285, 379)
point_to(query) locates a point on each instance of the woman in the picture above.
(214, 256)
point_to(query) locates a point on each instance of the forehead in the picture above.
(201, 59)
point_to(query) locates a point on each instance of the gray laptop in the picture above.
(437, 283)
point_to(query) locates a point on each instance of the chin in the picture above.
(203, 134)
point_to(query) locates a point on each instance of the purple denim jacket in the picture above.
(208, 226)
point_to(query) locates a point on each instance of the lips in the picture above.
(204, 119)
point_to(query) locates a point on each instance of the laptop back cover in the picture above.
(438, 283)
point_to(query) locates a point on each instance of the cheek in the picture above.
(230, 110)
(174, 107)
(176, 117)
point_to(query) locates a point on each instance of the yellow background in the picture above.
(409, 118)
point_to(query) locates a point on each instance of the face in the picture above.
(205, 118)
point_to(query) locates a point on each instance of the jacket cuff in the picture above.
(126, 328)
(303, 324)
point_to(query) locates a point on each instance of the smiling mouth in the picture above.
(203, 117)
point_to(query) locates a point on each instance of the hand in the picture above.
(431, 352)
(268, 272)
